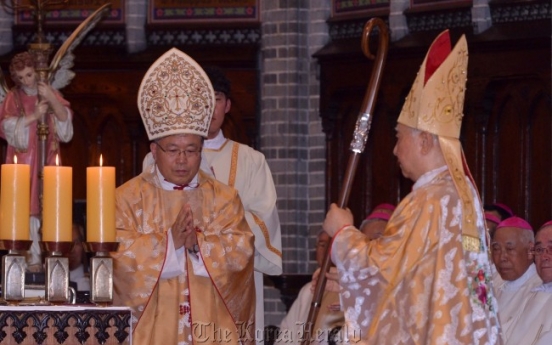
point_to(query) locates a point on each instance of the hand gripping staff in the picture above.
(360, 136)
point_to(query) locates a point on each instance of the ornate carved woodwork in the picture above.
(49, 325)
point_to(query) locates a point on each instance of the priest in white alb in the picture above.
(244, 168)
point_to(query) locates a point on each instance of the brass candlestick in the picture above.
(13, 269)
(101, 271)
(57, 271)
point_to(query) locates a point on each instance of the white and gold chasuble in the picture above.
(188, 308)
(416, 284)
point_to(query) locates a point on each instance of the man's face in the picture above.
(510, 252)
(373, 228)
(321, 245)
(222, 106)
(406, 150)
(26, 77)
(178, 157)
(544, 260)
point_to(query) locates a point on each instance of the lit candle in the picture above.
(57, 203)
(100, 204)
(15, 206)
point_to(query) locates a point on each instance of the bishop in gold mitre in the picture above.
(185, 260)
(427, 279)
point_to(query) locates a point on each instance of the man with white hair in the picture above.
(426, 280)
(185, 260)
(511, 253)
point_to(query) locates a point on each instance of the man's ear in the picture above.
(426, 142)
(153, 149)
(228, 105)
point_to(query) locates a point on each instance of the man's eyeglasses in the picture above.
(173, 153)
(542, 250)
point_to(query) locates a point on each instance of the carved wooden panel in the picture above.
(179, 11)
(72, 12)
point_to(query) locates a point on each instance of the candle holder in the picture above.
(57, 271)
(101, 271)
(13, 269)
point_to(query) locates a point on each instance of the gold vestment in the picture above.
(416, 284)
(214, 309)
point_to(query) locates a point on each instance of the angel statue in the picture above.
(29, 102)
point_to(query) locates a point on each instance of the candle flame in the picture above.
(15, 159)
(101, 160)
(57, 160)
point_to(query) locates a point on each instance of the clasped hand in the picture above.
(337, 218)
(43, 102)
(183, 231)
(45, 91)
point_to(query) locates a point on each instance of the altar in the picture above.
(67, 324)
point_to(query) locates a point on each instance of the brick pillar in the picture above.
(290, 127)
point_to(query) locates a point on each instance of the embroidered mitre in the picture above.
(435, 104)
(176, 97)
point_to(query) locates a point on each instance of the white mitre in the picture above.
(176, 97)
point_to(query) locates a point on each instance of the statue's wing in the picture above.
(63, 60)
(64, 74)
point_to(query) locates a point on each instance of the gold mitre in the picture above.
(435, 103)
(176, 97)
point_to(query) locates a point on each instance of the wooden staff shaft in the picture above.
(358, 143)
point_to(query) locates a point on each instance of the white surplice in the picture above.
(512, 297)
(534, 326)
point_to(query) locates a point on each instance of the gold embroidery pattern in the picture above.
(175, 97)
(233, 165)
(437, 107)
(263, 228)
(452, 151)
(471, 244)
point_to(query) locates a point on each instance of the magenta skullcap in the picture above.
(491, 217)
(549, 223)
(515, 222)
(385, 207)
(505, 208)
(382, 211)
